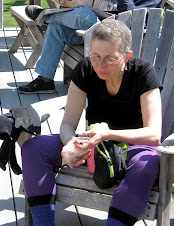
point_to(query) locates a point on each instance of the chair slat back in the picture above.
(156, 45)
(125, 17)
(151, 39)
(168, 96)
(137, 30)
(165, 44)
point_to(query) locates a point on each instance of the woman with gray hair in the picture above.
(123, 92)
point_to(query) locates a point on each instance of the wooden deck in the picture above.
(13, 74)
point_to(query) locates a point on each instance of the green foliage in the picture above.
(9, 21)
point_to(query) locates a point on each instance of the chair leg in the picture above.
(165, 187)
(23, 137)
(28, 217)
(38, 35)
(67, 73)
(18, 41)
(34, 57)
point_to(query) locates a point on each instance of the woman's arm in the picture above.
(150, 134)
(76, 101)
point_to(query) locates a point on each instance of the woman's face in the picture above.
(103, 54)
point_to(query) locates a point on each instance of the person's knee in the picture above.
(42, 149)
(54, 29)
(148, 166)
(28, 151)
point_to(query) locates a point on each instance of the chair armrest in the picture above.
(80, 32)
(52, 105)
(19, 12)
(44, 117)
(170, 2)
(167, 146)
(166, 151)
(166, 179)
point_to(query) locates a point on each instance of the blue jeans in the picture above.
(61, 31)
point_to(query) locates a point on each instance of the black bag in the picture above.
(110, 165)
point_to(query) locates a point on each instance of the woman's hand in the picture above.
(97, 133)
(81, 161)
(72, 155)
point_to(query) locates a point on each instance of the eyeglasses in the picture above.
(109, 60)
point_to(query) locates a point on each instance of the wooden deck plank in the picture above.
(66, 215)
(91, 216)
(7, 213)
(8, 94)
(21, 74)
(19, 199)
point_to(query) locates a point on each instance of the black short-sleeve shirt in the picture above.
(122, 111)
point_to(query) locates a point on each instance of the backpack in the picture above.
(110, 163)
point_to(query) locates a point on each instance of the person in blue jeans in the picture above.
(124, 5)
(60, 31)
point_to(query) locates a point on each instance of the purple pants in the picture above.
(42, 153)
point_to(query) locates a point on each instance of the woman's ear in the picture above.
(129, 56)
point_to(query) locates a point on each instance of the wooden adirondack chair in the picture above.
(169, 4)
(154, 42)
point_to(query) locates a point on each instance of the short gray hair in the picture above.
(114, 31)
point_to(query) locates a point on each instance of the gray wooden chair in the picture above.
(154, 42)
(169, 4)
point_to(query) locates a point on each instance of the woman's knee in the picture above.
(45, 147)
(28, 147)
(146, 165)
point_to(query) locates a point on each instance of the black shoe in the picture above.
(33, 11)
(38, 86)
